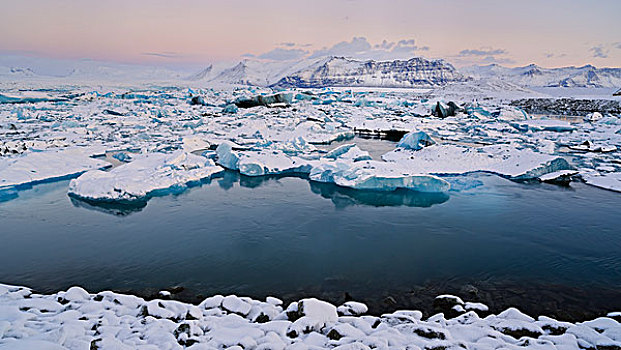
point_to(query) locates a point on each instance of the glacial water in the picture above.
(289, 237)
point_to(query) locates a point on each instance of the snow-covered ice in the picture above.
(271, 132)
(143, 176)
(34, 167)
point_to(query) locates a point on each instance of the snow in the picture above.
(145, 175)
(499, 159)
(304, 136)
(31, 168)
(109, 320)
(609, 181)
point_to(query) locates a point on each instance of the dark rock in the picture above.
(334, 334)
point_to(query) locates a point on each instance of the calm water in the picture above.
(290, 237)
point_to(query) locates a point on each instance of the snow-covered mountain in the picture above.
(341, 71)
(535, 76)
(317, 72)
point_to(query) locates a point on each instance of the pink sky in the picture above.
(549, 33)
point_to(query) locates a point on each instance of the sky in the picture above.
(550, 33)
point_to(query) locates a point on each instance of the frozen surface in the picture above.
(145, 175)
(262, 131)
(609, 181)
(504, 160)
(76, 319)
(51, 165)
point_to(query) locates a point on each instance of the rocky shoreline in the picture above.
(75, 319)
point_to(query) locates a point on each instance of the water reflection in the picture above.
(112, 208)
(344, 197)
(341, 196)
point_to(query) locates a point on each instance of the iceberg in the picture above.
(376, 175)
(348, 151)
(281, 99)
(415, 140)
(145, 176)
(543, 125)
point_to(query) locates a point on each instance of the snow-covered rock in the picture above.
(78, 320)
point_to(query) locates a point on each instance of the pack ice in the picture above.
(300, 132)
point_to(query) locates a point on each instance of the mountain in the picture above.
(535, 76)
(341, 71)
(257, 72)
(202, 75)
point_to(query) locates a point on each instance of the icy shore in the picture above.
(75, 319)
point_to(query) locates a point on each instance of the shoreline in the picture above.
(563, 302)
(75, 319)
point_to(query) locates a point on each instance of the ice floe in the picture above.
(503, 160)
(35, 167)
(144, 176)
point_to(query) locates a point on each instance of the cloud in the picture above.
(359, 47)
(356, 46)
(488, 51)
(481, 55)
(166, 54)
(280, 54)
(557, 55)
(498, 60)
(599, 51)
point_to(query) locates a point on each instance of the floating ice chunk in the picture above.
(589, 146)
(276, 100)
(478, 112)
(510, 113)
(195, 143)
(504, 160)
(271, 162)
(348, 151)
(593, 117)
(609, 181)
(377, 176)
(230, 108)
(543, 125)
(27, 97)
(561, 176)
(227, 157)
(28, 344)
(35, 167)
(415, 140)
(122, 157)
(317, 133)
(143, 177)
(442, 110)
